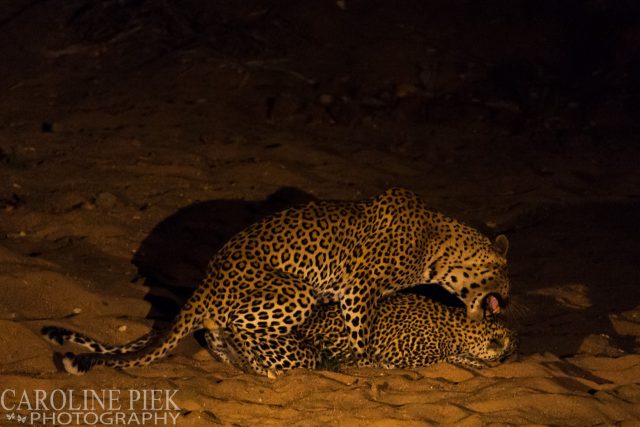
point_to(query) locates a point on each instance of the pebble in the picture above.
(106, 200)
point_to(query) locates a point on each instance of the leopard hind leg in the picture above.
(261, 354)
(263, 325)
(224, 348)
(274, 355)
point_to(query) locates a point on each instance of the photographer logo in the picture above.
(61, 407)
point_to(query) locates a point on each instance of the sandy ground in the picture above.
(130, 149)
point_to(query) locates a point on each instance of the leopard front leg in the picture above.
(358, 305)
(465, 361)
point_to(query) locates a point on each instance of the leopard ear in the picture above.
(501, 245)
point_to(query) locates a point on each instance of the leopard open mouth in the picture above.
(493, 304)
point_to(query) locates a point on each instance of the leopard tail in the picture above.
(157, 346)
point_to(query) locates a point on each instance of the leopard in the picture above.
(409, 331)
(412, 331)
(267, 279)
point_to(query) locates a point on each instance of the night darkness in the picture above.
(137, 136)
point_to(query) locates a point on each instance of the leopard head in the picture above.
(491, 342)
(474, 268)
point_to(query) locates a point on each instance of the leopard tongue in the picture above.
(493, 304)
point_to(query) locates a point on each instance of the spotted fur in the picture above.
(412, 331)
(409, 331)
(266, 280)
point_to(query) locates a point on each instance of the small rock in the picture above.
(573, 295)
(106, 200)
(625, 327)
(122, 328)
(598, 344)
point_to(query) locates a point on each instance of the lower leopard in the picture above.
(413, 331)
(409, 331)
